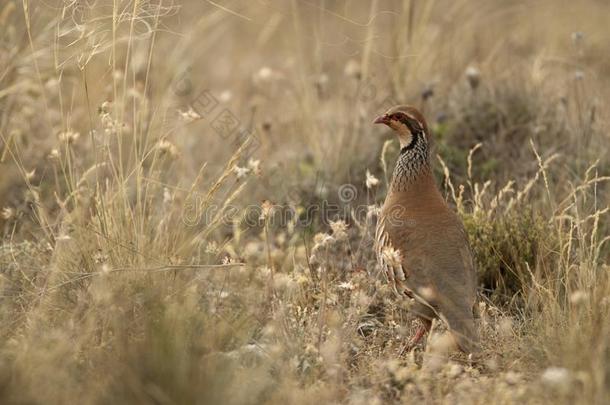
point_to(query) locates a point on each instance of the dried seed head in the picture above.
(372, 211)
(322, 239)
(241, 172)
(69, 137)
(229, 260)
(473, 75)
(190, 115)
(212, 247)
(165, 147)
(266, 210)
(352, 69)
(346, 285)
(167, 196)
(254, 166)
(339, 229)
(53, 155)
(104, 108)
(265, 76)
(7, 213)
(30, 175)
(225, 96)
(391, 256)
(264, 73)
(105, 269)
(371, 181)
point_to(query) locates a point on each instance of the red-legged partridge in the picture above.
(421, 243)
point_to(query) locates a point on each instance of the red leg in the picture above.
(420, 333)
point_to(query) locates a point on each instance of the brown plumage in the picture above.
(421, 244)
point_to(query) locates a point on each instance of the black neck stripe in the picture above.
(411, 144)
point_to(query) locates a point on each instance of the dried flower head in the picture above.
(265, 75)
(212, 247)
(53, 155)
(30, 175)
(352, 69)
(241, 172)
(165, 147)
(346, 285)
(391, 256)
(104, 108)
(100, 257)
(320, 240)
(372, 211)
(229, 260)
(69, 136)
(167, 196)
(254, 166)
(371, 181)
(473, 75)
(225, 96)
(110, 125)
(7, 213)
(339, 229)
(189, 115)
(266, 210)
(105, 269)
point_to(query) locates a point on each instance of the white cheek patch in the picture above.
(404, 135)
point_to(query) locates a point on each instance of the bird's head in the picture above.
(408, 123)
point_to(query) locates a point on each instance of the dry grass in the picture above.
(189, 190)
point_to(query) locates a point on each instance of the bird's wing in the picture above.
(440, 272)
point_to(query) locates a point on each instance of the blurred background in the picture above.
(165, 168)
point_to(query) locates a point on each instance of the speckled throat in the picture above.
(412, 162)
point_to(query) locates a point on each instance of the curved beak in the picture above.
(382, 119)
